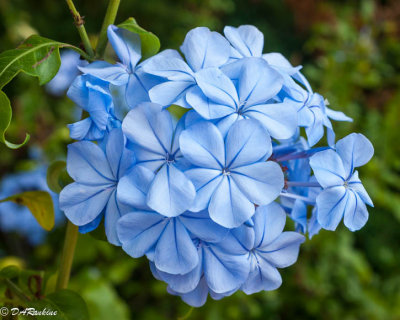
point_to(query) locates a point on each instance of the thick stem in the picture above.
(79, 23)
(109, 18)
(71, 237)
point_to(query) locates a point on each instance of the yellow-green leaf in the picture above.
(40, 205)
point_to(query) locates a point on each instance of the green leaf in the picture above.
(57, 176)
(36, 56)
(39, 203)
(9, 272)
(149, 41)
(68, 304)
(5, 119)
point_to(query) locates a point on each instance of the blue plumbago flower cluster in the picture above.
(205, 197)
(18, 218)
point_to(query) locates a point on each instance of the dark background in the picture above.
(350, 51)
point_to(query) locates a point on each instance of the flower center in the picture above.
(226, 172)
(169, 158)
(240, 108)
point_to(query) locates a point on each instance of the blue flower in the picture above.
(257, 85)
(93, 96)
(314, 115)
(167, 242)
(18, 218)
(155, 140)
(127, 73)
(343, 194)
(269, 248)
(202, 49)
(231, 175)
(222, 268)
(96, 173)
(70, 61)
(244, 259)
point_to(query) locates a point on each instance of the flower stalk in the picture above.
(67, 257)
(109, 18)
(80, 26)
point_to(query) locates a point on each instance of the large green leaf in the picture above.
(39, 203)
(36, 56)
(149, 41)
(67, 304)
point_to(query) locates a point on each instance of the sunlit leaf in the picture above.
(39, 203)
(149, 41)
(36, 56)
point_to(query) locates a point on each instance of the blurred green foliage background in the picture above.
(350, 51)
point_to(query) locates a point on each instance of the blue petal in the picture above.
(356, 185)
(132, 188)
(331, 205)
(201, 226)
(171, 192)
(355, 151)
(85, 130)
(139, 232)
(135, 93)
(260, 182)
(205, 182)
(337, 115)
(246, 39)
(282, 252)
(171, 92)
(356, 213)
(328, 168)
(269, 222)
(87, 163)
(149, 127)
(174, 69)
(224, 272)
(112, 214)
(112, 73)
(91, 225)
(228, 206)
(82, 203)
(184, 283)
(203, 48)
(247, 142)
(258, 82)
(198, 296)
(115, 149)
(175, 252)
(279, 62)
(262, 277)
(280, 119)
(126, 45)
(217, 87)
(205, 107)
(202, 144)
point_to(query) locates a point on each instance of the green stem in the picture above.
(109, 18)
(80, 25)
(71, 237)
(16, 290)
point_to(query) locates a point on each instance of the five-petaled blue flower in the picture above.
(343, 194)
(155, 140)
(96, 173)
(231, 175)
(202, 49)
